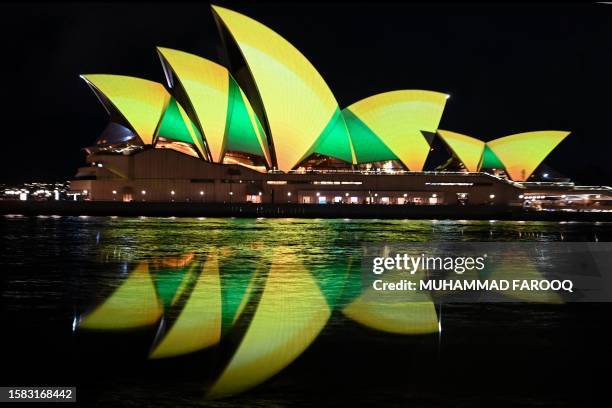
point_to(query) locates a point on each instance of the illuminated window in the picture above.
(253, 198)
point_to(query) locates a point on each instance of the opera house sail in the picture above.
(262, 126)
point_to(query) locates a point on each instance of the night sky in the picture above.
(509, 69)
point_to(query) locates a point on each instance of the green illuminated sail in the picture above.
(241, 131)
(368, 146)
(176, 125)
(334, 141)
(490, 160)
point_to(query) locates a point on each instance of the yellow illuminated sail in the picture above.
(522, 153)
(290, 314)
(301, 111)
(206, 84)
(198, 326)
(398, 118)
(133, 304)
(139, 101)
(468, 149)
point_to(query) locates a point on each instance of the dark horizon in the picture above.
(508, 68)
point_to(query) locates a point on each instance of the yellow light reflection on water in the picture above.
(291, 313)
(395, 311)
(199, 324)
(133, 304)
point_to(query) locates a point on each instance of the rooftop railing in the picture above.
(397, 172)
(383, 172)
(602, 188)
(546, 183)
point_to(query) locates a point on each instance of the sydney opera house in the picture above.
(266, 128)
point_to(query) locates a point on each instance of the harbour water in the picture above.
(267, 312)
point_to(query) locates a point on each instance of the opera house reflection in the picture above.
(267, 315)
(256, 314)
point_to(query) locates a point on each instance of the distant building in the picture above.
(37, 191)
(269, 130)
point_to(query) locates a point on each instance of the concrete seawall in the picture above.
(109, 208)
